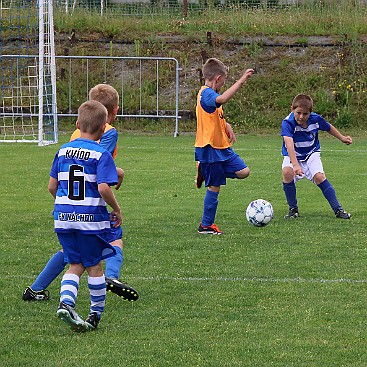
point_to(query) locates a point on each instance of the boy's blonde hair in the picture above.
(91, 116)
(106, 94)
(214, 67)
(302, 100)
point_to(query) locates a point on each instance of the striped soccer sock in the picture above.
(69, 289)
(97, 290)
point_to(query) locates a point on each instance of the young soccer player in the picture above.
(217, 161)
(81, 177)
(109, 97)
(301, 151)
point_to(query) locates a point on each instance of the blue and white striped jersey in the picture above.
(79, 166)
(306, 140)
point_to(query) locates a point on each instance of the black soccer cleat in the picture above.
(341, 213)
(212, 229)
(92, 321)
(121, 289)
(30, 295)
(67, 314)
(293, 213)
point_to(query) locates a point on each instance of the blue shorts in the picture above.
(114, 234)
(86, 249)
(216, 173)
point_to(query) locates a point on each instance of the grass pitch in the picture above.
(289, 294)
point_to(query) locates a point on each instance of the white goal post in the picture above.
(28, 109)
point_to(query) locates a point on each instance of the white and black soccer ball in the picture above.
(259, 213)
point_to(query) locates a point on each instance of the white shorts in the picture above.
(310, 167)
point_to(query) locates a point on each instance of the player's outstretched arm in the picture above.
(346, 139)
(289, 144)
(232, 90)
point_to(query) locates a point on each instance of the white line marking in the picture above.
(254, 279)
(226, 279)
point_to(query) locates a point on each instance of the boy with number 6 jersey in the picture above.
(37, 291)
(81, 177)
(301, 151)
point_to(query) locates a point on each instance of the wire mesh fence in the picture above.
(182, 7)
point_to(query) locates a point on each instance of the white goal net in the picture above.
(28, 111)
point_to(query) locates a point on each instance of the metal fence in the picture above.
(148, 86)
(180, 7)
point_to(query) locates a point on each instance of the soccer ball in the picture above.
(259, 213)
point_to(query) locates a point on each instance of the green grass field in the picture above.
(291, 294)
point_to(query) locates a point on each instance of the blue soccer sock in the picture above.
(114, 264)
(69, 289)
(52, 269)
(290, 194)
(210, 208)
(329, 193)
(97, 290)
